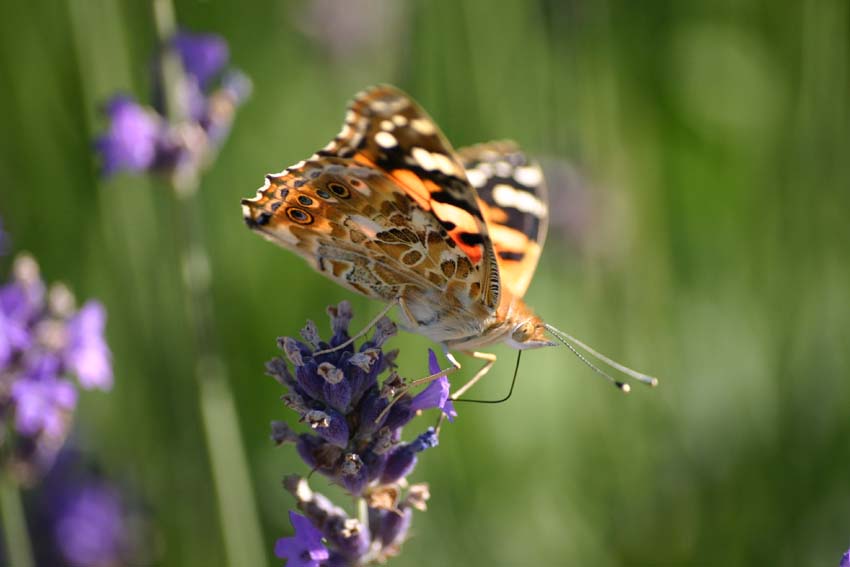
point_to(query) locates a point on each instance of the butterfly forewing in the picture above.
(373, 215)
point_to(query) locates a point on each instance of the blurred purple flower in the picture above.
(203, 55)
(436, 395)
(43, 343)
(845, 560)
(80, 518)
(87, 354)
(142, 140)
(43, 405)
(91, 529)
(305, 548)
(133, 136)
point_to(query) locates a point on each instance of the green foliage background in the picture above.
(712, 139)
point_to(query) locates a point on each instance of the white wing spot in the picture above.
(508, 197)
(423, 126)
(503, 169)
(529, 176)
(385, 139)
(424, 158)
(380, 106)
(476, 178)
(387, 125)
(443, 163)
(400, 120)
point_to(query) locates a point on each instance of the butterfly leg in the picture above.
(360, 333)
(489, 360)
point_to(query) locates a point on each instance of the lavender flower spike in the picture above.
(845, 560)
(305, 548)
(355, 436)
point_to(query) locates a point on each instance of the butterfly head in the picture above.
(529, 332)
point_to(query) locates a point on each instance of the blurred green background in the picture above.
(700, 164)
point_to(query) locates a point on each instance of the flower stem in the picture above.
(238, 517)
(15, 535)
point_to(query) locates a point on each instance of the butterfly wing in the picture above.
(513, 200)
(386, 129)
(373, 216)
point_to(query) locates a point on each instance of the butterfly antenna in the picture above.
(568, 341)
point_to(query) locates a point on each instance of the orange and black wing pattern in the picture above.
(513, 200)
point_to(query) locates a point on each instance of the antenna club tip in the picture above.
(625, 388)
(653, 382)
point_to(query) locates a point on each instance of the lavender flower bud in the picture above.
(330, 425)
(309, 380)
(348, 536)
(353, 473)
(341, 316)
(403, 460)
(310, 333)
(385, 329)
(394, 525)
(295, 350)
(282, 433)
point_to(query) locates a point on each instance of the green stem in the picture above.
(15, 534)
(238, 516)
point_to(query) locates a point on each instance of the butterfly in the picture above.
(388, 209)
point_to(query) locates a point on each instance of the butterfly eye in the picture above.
(305, 200)
(523, 332)
(339, 190)
(299, 216)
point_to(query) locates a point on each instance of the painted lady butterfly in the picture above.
(388, 209)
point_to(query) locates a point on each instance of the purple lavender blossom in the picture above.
(43, 405)
(87, 354)
(845, 560)
(402, 460)
(44, 342)
(134, 135)
(81, 518)
(140, 139)
(305, 548)
(436, 394)
(91, 528)
(356, 425)
(203, 55)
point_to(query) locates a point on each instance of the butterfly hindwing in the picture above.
(513, 198)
